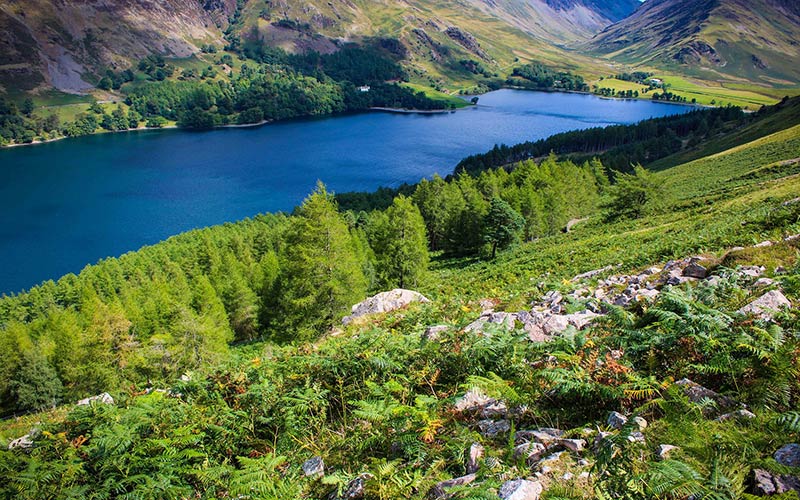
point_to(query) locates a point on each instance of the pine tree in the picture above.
(321, 272)
(503, 225)
(36, 386)
(398, 238)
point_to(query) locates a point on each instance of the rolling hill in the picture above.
(734, 39)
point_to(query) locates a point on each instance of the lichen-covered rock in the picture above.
(432, 333)
(532, 452)
(475, 401)
(104, 398)
(493, 428)
(505, 320)
(573, 445)
(616, 420)
(664, 451)
(314, 467)
(765, 483)
(736, 415)
(544, 435)
(384, 302)
(520, 489)
(699, 394)
(765, 306)
(788, 455)
(24, 442)
(355, 488)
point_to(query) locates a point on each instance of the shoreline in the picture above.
(138, 129)
(415, 111)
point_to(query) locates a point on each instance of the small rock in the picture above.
(640, 423)
(780, 270)
(664, 450)
(763, 283)
(440, 489)
(592, 274)
(474, 455)
(750, 271)
(492, 428)
(475, 401)
(544, 435)
(763, 244)
(384, 302)
(314, 467)
(532, 452)
(584, 475)
(355, 488)
(695, 270)
(764, 306)
(104, 398)
(432, 333)
(736, 415)
(616, 420)
(24, 443)
(636, 437)
(520, 489)
(487, 306)
(647, 295)
(766, 483)
(698, 394)
(573, 445)
(583, 462)
(788, 455)
(567, 476)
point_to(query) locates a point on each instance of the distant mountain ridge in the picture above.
(50, 43)
(757, 40)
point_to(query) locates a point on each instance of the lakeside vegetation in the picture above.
(218, 346)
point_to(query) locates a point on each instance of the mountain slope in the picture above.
(53, 44)
(739, 39)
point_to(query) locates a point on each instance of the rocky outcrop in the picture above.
(475, 402)
(698, 394)
(384, 302)
(467, 41)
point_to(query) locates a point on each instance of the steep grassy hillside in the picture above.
(732, 39)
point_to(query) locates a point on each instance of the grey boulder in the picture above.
(384, 302)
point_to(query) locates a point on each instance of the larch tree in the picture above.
(321, 272)
(502, 226)
(399, 240)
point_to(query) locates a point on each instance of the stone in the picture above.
(567, 476)
(788, 455)
(616, 420)
(765, 483)
(636, 437)
(314, 467)
(573, 445)
(763, 283)
(474, 455)
(544, 435)
(384, 302)
(487, 306)
(531, 451)
(104, 398)
(750, 271)
(763, 244)
(520, 489)
(592, 274)
(475, 401)
(506, 320)
(736, 415)
(664, 450)
(641, 423)
(24, 443)
(432, 333)
(583, 462)
(698, 394)
(647, 295)
(493, 428)
(440, 489)
(695, 270)
(765, 306)
(355, 488)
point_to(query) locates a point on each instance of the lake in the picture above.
(69, 203)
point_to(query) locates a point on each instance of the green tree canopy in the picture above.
(502, 226)
(399, 240)
(322, 274)
(634, 195)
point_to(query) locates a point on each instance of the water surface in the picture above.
(69, 203)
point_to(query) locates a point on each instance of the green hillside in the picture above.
(230, 367)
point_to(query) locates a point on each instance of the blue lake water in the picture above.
(70, 203)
